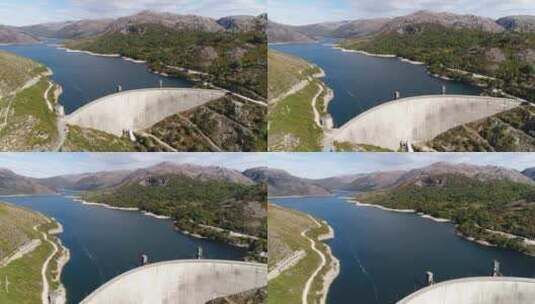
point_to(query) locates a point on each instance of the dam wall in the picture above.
(417, 119)
(180, 282)
(478, 290)
(138, 109)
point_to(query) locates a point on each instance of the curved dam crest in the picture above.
(482, 290)
(138, 109)
(181, 282)
(418, 119)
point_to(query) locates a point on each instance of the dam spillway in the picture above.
(138, 109)
(477, 290)
(417, 119)
(181, 282)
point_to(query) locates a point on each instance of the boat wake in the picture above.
(368, 276)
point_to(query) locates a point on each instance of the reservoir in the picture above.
(361, 82)
(105, 242)
(384, 255)
(85, 78)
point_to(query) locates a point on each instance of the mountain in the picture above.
(480, 173)
(281, 183)
(358, 28)
(280, 33)
(529, 172)
(93, 27)
(169, 20)
(87, 181)
(374, 181)
(403, 23)
(521, 23)
(242, 23)
(69, 29)
(342, 182)
(10, 34)
(199, 173)
(323, 29)
(12, 184)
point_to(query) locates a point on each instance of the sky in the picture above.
(310, 165)
(315, 11)
(320, 165)
(54, 164)
(26, 12)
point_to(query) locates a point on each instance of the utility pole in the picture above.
(7, 285)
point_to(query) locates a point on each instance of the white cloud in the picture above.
(335, 10)
(15, 12)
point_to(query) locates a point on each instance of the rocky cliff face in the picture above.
(522, 23)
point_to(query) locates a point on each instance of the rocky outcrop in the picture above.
(520, 23)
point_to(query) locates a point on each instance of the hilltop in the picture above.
(9, 34)
(281, 183)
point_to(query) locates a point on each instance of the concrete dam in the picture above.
(417, 119)
(478, 290)
(180, 282)
(138, 109)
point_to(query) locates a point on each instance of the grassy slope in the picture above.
(15, 71)
(24, 274)
(31, 125)
(83, 139)
(284, 230)
(509, 131)
(284, 71)
(294, 117)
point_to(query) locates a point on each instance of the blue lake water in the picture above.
(85, 78)
(105, 243)
(384, 255)
(361, 82)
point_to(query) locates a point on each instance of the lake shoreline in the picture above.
(483, 242)
(230, 240)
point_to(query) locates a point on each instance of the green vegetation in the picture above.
(24, 274)
(285, 228)
(235, 61)
(195, 204)
(30, 126)
(470, 203)
(292, 126)
(15, 71)
(507, 56)
(285, 71)
(351, 147)
(508, 131)
(230, 124)
(89, 140)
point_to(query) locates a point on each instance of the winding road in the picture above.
(46, 288)
(304, 297)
